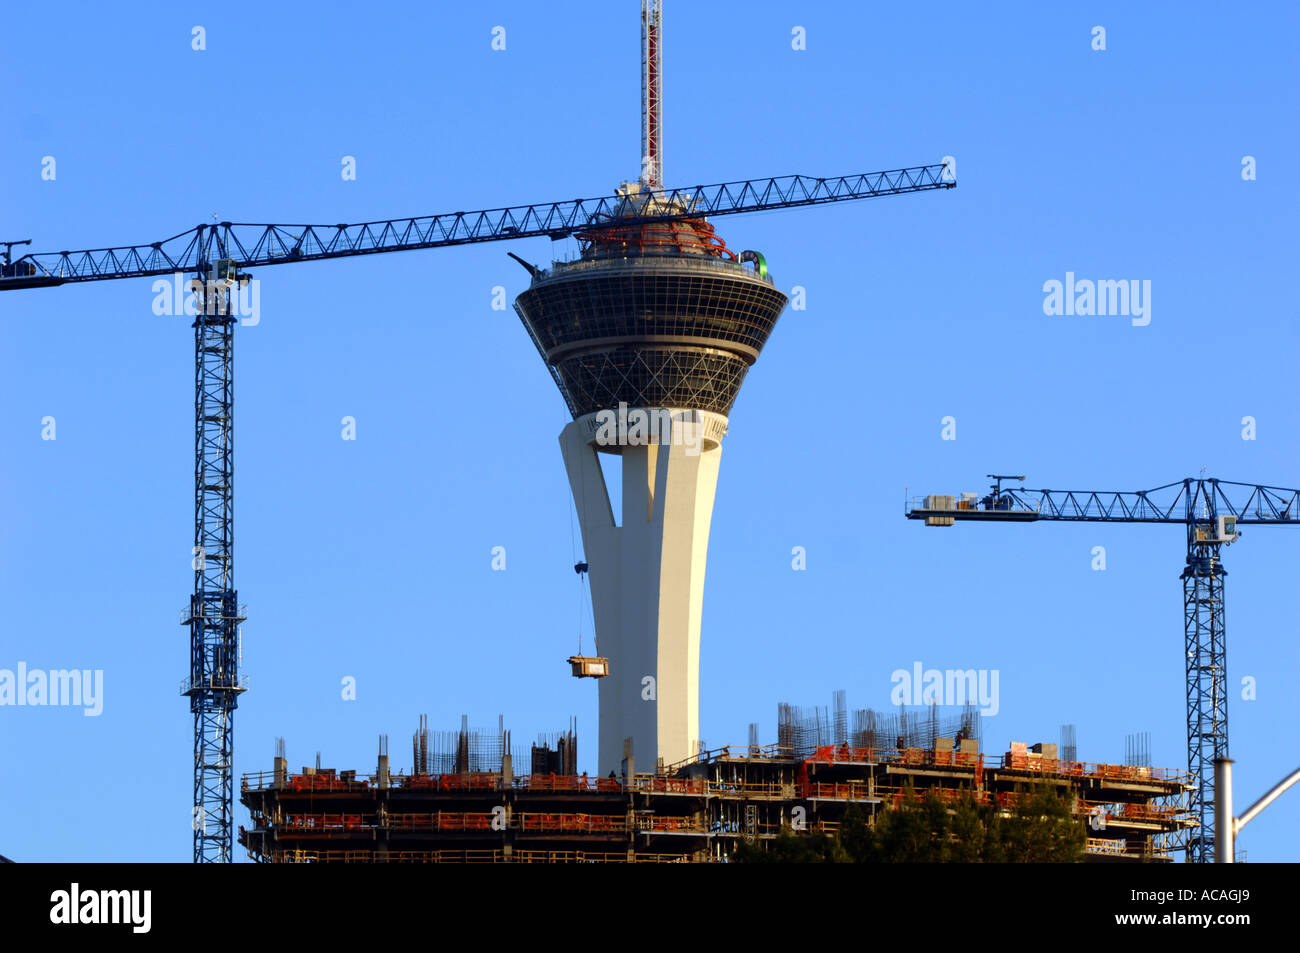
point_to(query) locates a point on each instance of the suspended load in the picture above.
(589, 666)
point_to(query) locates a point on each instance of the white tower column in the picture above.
(647, 574)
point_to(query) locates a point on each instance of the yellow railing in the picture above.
(475, 857)
(1119, 848)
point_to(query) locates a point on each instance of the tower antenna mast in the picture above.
(652, 172)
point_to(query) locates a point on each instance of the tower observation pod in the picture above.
(649, 334)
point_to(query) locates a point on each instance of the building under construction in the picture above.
(464, 802)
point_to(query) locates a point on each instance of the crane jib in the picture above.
(1186, 502)
(261, 244)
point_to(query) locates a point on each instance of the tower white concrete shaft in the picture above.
(647, 574)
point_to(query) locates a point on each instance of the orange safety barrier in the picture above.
(323, 782)
(392, 857)
(327, 822)
(475, 781)
(477, 856)
(1153, 813)
(830, 753)
(560, 782)
(1121, 772)
(590, 823)
(668, 785)
(852, 789)
(440, 821)
(565, 782)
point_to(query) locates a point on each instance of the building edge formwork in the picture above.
(696, 812)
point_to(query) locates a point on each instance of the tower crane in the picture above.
(1211, 511)
(217, 257)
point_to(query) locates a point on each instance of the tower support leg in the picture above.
(647, 578)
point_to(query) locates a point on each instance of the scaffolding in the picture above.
(484, 751)
(1137, 749)
(803, 730)
(1069, 744)
(556, 753)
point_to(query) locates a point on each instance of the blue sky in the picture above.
(371, 558)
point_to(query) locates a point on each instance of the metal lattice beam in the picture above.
(1207, 690)
(250, 245)
(1172, 503)
(214, 615)
(652, 170)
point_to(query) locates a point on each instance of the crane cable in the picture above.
(584, 595)
(573, 551)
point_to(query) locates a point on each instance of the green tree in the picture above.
(923, 829)
(856, 836)
(1043, 829)
(790, 847)
(916, 832)
(970, 836)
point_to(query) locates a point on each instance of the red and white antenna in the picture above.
(652, 172)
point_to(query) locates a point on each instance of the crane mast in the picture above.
(1205, 647)
(214, 615)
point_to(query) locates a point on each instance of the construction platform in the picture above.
(695, 812)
